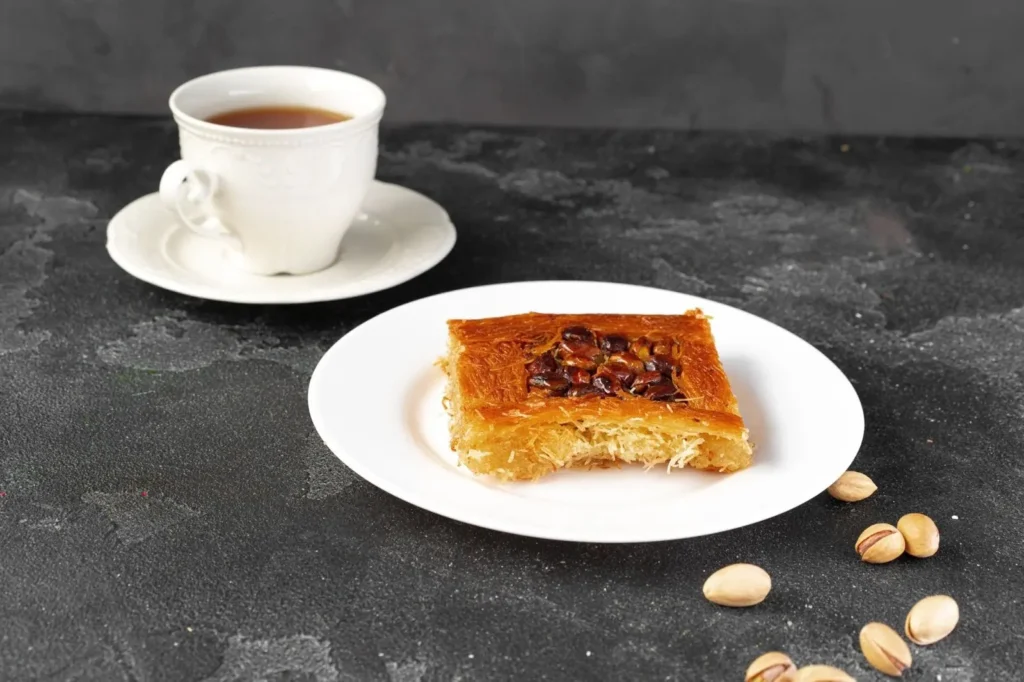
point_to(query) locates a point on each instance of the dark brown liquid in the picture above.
(278, 118)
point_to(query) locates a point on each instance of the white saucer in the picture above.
(386, 422)
(399, 235)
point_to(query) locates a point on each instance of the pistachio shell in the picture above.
(885, 649)
(738, 585)
(822, 673)
(852, 486)
(921, 535)
(932, 619)
(773, 666)
(880, 544)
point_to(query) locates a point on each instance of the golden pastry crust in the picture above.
(501, 425)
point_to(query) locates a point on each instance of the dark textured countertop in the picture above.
(168, 512)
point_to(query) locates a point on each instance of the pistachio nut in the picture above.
(931, 619)
(738, 585)
(852, 486)
(885, 649)
(880, 543)
(773, 666)
(822, 673)
(920, 533)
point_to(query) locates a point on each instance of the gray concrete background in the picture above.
(921, 67)
(169, 514)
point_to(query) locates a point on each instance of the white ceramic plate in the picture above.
(399, 235)
(375, 399)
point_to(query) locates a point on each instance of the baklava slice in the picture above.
(530, 394)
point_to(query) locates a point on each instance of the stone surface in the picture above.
(168, 513)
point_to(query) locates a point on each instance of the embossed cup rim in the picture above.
(352, 125)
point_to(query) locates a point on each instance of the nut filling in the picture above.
(583, 363)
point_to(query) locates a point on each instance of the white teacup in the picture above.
(283, 197)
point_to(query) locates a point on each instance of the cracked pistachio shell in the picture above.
(773, 666)
(880, 543)
(885, 649)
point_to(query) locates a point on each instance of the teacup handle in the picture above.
(189, 192)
